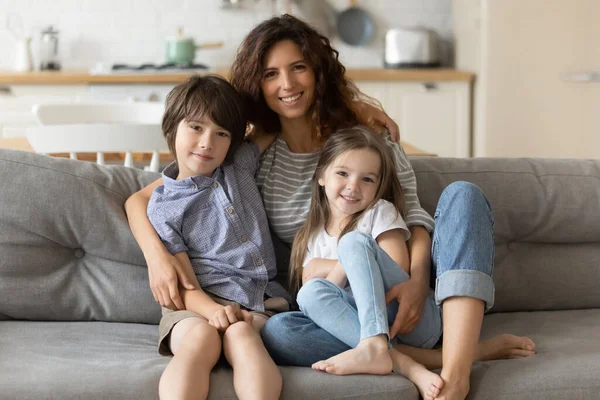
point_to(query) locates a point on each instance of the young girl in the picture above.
(209, 215)
(355, 224)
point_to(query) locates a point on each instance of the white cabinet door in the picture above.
(433, 116)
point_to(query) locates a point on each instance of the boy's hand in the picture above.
(229, 315)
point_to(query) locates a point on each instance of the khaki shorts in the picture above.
(170, 318)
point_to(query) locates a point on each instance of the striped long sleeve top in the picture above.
(284, 180)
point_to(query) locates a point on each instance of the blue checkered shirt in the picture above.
(222, 225)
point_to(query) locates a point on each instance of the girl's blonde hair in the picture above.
(356, 138)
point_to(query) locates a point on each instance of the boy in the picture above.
(210, 216)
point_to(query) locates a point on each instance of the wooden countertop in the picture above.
(71, 77)
(22, 143)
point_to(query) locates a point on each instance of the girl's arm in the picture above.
(317, 268)
(164, 270)
(411, 295)
(394, 244)
(338, 275)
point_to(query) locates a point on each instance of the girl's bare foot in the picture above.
(504, 347)
(428, 383)
(371, 356)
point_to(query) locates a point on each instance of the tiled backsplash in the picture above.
(134, 31)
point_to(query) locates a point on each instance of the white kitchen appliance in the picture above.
(411, 48)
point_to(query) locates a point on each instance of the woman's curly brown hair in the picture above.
(334, 96)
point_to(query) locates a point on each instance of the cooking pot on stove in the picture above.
(182, 50)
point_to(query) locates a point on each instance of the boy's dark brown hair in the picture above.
(210, 96)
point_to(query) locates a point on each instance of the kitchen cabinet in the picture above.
(434, 116)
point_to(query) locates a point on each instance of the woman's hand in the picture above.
(226, 316)
(411, 298)
(165, 272)
(367, 114)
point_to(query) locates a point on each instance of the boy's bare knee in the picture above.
(240, 330)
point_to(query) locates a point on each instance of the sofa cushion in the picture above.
(101, 360)
(67, 250)
(566, 365)
(547, 230)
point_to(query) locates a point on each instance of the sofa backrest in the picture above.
(547, 226)
(67, 253)
(66, 250)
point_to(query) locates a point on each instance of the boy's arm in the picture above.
(164, 270)
(195, 299)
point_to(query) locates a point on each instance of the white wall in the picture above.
(133, 31)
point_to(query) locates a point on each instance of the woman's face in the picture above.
(288, 81)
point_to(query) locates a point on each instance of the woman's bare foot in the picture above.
(371, 356)
(456, 387)
(429, 384)
(504, 347)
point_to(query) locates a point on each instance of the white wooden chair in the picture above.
(100, 128)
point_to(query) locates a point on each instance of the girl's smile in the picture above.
(351, 183)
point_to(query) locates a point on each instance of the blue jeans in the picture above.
(363, 313)
(462, 258)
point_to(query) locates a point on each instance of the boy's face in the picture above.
(201, 146)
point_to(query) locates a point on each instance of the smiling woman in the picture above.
(288, 82)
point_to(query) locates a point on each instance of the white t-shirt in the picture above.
(381, 218)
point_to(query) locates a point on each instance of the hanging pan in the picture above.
(355, 26)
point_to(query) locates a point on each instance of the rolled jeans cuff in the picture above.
(465, 283)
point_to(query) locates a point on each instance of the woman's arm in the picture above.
(367, 114)
(164, 270)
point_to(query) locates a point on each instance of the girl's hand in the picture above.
(367, 114)
(229, 315)
(165, 272)
(411, 298)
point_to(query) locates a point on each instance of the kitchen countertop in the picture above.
(21, 143)
(71, 77)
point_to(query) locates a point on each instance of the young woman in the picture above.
(292, 77)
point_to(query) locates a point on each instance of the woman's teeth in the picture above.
(291, 99)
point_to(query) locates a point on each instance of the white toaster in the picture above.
(411, 48)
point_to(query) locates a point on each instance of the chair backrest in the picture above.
(100, 128)
(100, 138)
(97, 113)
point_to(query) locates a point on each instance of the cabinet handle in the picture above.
(5, 91)
(429, 86)
(581, 77)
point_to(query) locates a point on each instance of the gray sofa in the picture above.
(77, 319)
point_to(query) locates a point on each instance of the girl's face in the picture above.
(351, 182)
(201, 146)
(288, 81)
